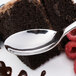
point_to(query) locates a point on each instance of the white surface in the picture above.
(3, 1)
(57, 66)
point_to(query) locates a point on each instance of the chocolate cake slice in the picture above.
(18, 15)
(35, 61)
(61, 13)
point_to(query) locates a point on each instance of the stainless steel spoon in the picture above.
(35, 41)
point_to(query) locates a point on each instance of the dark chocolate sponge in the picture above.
(18, 15)
(61, 13)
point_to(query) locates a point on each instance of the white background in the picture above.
(57, 66)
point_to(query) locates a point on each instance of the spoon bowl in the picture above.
(29, 42)
(35, 41)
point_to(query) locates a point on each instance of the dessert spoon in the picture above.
(35, 41)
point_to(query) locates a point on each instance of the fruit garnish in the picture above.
(70, 49)
(72, 35)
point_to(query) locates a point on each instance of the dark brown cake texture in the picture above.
(61, 13)
(18, 15)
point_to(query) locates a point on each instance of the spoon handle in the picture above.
(69, 28)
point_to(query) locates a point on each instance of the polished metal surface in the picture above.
(49, 39)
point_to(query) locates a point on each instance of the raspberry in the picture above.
(70, 49)
(75, 66)
(72, 35)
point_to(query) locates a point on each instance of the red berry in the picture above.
(70, 49)
(75, 66)
(72, 35)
